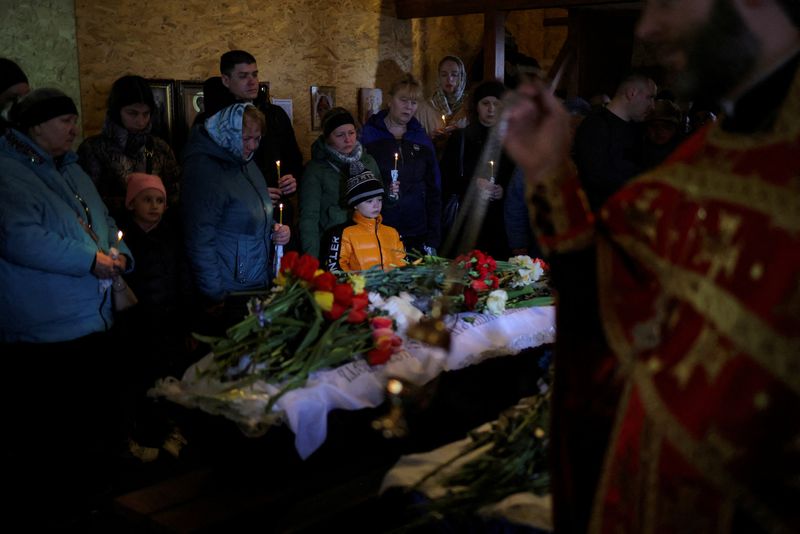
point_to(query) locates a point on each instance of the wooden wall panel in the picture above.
(462, 36)
(534, 38)
(40, 36)
(348, 44)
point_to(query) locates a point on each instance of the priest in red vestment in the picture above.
(677, 392)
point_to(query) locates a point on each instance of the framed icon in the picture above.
(163, 119)
(323, 98)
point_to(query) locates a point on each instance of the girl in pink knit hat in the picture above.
(146, 198)
(158, 326)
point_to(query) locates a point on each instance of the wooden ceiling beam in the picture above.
(412, 9)
(494, 45)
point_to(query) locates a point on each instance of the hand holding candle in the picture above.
(394, 192)
(114, 251)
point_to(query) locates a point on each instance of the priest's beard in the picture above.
(720, 54)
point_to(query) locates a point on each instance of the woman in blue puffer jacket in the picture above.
(227, 211)
(397, 141)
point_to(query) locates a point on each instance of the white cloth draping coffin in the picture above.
(356, 385)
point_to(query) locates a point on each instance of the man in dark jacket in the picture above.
(238, 82)
(608, 145)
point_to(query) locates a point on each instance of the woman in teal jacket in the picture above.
(336, 155)
(61, 397)
(227, 211)
(55, 262)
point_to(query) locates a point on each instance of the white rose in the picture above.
(496, 301)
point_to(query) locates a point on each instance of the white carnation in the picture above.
(496, 302)
(528, 271)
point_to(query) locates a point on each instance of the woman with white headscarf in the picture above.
(446, 110)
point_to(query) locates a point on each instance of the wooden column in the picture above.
(494, 44)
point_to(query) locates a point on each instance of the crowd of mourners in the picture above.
(673, 405)
(200, 232)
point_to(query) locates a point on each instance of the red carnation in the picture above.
(479, 285)
(470, 298)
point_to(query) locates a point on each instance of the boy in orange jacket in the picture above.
(364, 242)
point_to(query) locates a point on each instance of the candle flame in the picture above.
(119, 235)
(280, 206)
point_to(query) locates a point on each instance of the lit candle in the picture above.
(114, 252)
(280, 213)
(395, 160)
(444, 119)
(278, 165)
(491, 171)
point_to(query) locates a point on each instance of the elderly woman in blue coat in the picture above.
(60, 402)
(55, 254)
(227, 211)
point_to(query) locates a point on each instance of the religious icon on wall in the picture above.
(192, 104)
(164, 114)
(369, 103)
(323, 98)
(286, 105)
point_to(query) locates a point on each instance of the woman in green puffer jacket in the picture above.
(336, 155)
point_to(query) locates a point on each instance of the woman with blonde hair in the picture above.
(398, 142)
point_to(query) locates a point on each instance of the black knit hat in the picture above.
(487, 88)
(126, 91)
(334, 118)
(10, 74)
(362, 186)
(40, 106)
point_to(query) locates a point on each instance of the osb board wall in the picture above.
(40, 37)
(462, 36)
(347, 44)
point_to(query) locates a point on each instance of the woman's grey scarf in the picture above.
(339, 160)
